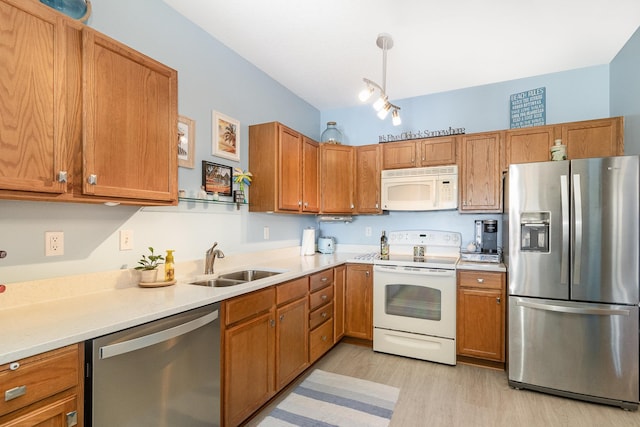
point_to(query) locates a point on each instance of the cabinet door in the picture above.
(310, 175)
(359, 301)
(480, 324)
(249, 360)
(529, 145)
(290, 157)
(292, 345)
(594, 138)
(398, 155)
(55, 414)
(339, 282)
(480, 175)
(437, 151)
(32, 65)
(336, 177)
(130, 122)
(368, 165)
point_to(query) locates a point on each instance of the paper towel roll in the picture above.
(308, 246)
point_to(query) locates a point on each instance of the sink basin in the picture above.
(235, 278)
(218, 283)
(249, 275)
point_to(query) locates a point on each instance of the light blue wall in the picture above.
(211, 77)
(625, 91)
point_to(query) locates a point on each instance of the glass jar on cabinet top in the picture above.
(331, 134)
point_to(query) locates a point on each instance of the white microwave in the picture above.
(420, 189)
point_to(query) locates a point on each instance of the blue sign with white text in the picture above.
(528, 108)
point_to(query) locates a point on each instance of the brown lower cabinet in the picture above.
(481, 317)
(359, 301)
(48, 389)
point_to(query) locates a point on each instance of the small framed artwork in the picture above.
(216, 178)
(226, 137)
(186, 142)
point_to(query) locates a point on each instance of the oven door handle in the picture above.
(415, 271)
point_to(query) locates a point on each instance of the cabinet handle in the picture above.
(281, 317)
(15, 392)
(299, 202)
(93, 179)
(480, 280)
(324, 279)
(306, 204)
(62, 176)
(272, 323)
(324, 314)
(324, 338)
(323, 297)
(498, 300)
(72, 419)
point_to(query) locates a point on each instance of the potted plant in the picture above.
(149, 266)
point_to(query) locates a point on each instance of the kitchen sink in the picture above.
(236, 278)
(249, 275)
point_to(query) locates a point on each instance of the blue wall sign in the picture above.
(528, 108)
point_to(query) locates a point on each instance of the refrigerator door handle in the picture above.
(574, 310)
(577, 197)
(564, 199)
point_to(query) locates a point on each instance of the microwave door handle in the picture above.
(435, 193)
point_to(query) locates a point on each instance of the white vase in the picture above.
(148, 276)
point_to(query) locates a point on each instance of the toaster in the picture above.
(326, 245)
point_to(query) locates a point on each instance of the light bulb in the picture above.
(379, 103)
(365, 93)
(395, 118)
(382, 114)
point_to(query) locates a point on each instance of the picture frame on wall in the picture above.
(186, 142)
(217, 178)
(226, 137)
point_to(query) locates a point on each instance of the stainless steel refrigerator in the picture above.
(572, 252)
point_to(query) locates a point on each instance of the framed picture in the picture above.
(226, 137)
(216, 178)
(186, 142)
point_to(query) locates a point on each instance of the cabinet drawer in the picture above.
(249, 305)
(480, 279)
(38, 377)
(320, 280)
(320, 298)
(292, 290)
(320, 340)
(320, 315)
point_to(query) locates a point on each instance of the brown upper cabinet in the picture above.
(589, 138)
(418, 153)
(480, 176)
(368, 167)
(287, 163)
(85, 118)
(337, 178)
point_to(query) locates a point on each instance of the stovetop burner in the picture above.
(437, 249)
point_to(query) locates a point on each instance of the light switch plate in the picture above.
(126, 240)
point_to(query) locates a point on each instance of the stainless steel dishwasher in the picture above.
(164, 373)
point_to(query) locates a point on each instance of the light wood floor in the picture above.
(435, 395)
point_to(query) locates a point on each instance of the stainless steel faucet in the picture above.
(212, 253)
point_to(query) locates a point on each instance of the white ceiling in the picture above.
(321, 49)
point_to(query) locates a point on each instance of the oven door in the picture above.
(415, 300)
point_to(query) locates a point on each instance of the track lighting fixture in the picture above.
(382, 104)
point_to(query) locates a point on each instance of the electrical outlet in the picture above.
(53, 243)
(126, 240)
(367, 231)
(266, 233)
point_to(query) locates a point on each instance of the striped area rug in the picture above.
(328, 399)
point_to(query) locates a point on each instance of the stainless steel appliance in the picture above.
(486, 238)
(420, 189)
(414, 297)
(572, 253)
(163, 373)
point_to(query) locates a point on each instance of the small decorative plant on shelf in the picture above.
(242, 178)
(149, 266)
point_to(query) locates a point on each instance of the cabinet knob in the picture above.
(299, 202)
(93, 179)
(498, 300)
(324, 279)
(272, 323)
(480, 280)
(306, 204)
(62, 176)
(324, 314)
(324, 338)
(367, 273)
(281, 317)
(324, 297)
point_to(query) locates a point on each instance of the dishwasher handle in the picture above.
(112, 350)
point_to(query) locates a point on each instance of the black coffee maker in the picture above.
(487, 236)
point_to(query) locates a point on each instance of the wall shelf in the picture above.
(193, 205)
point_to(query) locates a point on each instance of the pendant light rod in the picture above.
(384, 42)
